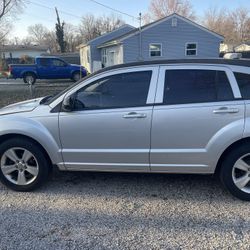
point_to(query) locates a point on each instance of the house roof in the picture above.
(108, 33)
(150, 25)
(245, 43)
(4, 48)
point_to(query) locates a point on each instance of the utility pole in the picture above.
(140, 38)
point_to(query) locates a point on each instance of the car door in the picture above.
(43, 68)
(109, 128)
(198, 112)
(59, 69)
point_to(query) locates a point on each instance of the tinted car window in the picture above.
(57, 63)
(116, 91)
(196, 86)
(244, 84)
(44, 62)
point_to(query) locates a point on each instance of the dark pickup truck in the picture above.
(47, 68)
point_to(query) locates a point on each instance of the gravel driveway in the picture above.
(120, 211)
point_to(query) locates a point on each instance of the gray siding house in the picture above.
(90, 54)
(172, 37)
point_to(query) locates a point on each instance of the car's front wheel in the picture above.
(24, 166)
(76, 76)
(29, 78)
(235, 172)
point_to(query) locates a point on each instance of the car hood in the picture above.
(19, 107)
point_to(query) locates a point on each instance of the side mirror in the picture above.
(68, 104)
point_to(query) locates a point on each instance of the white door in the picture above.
(111, 58)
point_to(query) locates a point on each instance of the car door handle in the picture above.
(225, 110)
(134, 115)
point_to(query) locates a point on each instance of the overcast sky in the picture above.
(34, 13)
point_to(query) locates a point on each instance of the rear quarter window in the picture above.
(243, 81)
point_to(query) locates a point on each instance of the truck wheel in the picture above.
(29, 78)
(235, 172)
(76, 76)
(23, 165)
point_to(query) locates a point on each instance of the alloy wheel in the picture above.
(19, 166)
(241, 173)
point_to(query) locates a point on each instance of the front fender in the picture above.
(33, 129)
(28, 71)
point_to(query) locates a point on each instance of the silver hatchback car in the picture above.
(175, 116)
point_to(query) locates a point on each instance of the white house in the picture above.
(243, 47)
(17, 51)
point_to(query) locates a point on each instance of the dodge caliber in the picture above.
(174, 116)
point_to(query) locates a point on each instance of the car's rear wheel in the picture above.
(235, 172)
(29, 78)
(76, 76)
(23, 165)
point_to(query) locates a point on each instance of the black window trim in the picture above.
(245, 73)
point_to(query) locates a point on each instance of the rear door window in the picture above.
(44, 62)
(184, 86)
(243, 81)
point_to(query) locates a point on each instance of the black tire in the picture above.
(226, 171)
(29, 78)
(76, 76)
(40, 157)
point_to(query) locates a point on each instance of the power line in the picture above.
(50, 8)
(73, 15)
(108, 7)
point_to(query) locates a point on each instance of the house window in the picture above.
(104, 57)
(155, 49)
(191, 49)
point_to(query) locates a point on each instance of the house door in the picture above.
(111, 58)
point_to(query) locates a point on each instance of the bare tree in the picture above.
(109, 23)
(38, 33)
(233, 25)
(241, 20)
(7, 6)
(72, 37)
(7, 9)
(162, 8)
(51, 41)
(92, 26)
(88, 28)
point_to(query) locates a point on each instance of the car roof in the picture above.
(216, 61)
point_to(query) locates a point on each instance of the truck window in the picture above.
(58, 63)
(44, 62)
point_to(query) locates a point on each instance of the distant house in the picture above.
(13, 53)
(172, 37)
(226, 47)
(243, 47)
